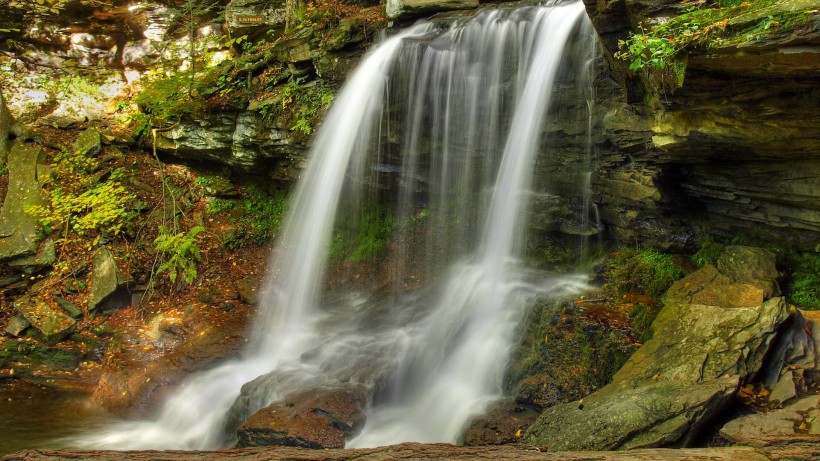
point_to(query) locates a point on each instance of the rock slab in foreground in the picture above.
(679, 379)
(403, 451)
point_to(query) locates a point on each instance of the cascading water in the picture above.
(444, 125)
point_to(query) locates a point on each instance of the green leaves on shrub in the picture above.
(181, 254)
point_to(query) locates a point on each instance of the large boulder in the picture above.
(679, 379)
(318, 418)
(19, 240)
(48, 319)
(797, 422)
(109, 286)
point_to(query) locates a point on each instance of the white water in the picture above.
(473, 100)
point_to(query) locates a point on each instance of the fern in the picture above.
(182, 252)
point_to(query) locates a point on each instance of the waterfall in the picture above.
(434, 136)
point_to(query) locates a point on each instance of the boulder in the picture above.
(88, 143)
(49, 320)
(108, 284)
(405, 9)
(17, 325)
(744, 277)
(18, 228)
(777, 427)
(318, 418)
(678, 380)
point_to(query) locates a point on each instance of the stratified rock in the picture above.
(775, 427)
(18, 228)
(17, 325)
(88, 143)
(50, 321)
(404, 9)
(318, 418)
(673, 384)
(108, 285)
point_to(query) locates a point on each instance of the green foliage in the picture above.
(89, 205)
(303, 103)
(260, 216)
(805, 280)
(708, 253)
(167, 100)
(362, 237)
(658, 51)
(180, 253)
(645, 272)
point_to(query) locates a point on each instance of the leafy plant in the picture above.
(303, 104)
(262, 215)
(88, 205)
(805, 280)
(181, 254)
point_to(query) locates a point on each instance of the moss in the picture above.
(564, 356)
(259, 216)
(708, 253)
(361, 237)
(645, 272)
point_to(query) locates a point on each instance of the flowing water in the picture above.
(435, 133)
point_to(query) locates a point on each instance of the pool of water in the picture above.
(38, 417)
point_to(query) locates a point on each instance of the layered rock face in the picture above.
(734, 151)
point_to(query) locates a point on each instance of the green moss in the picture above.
(361, 237)
(708, 253)
(259, 216)
(564, 356)
(645, 272)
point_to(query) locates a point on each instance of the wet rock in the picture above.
(775, 427)
(319, 418)
(337, 66)
(108, 284)
(405, 9)
(348, 32)
(17, 325)
(678, 380)
(49, 320)
(19, 242)
(248, 290)
(503, 423)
